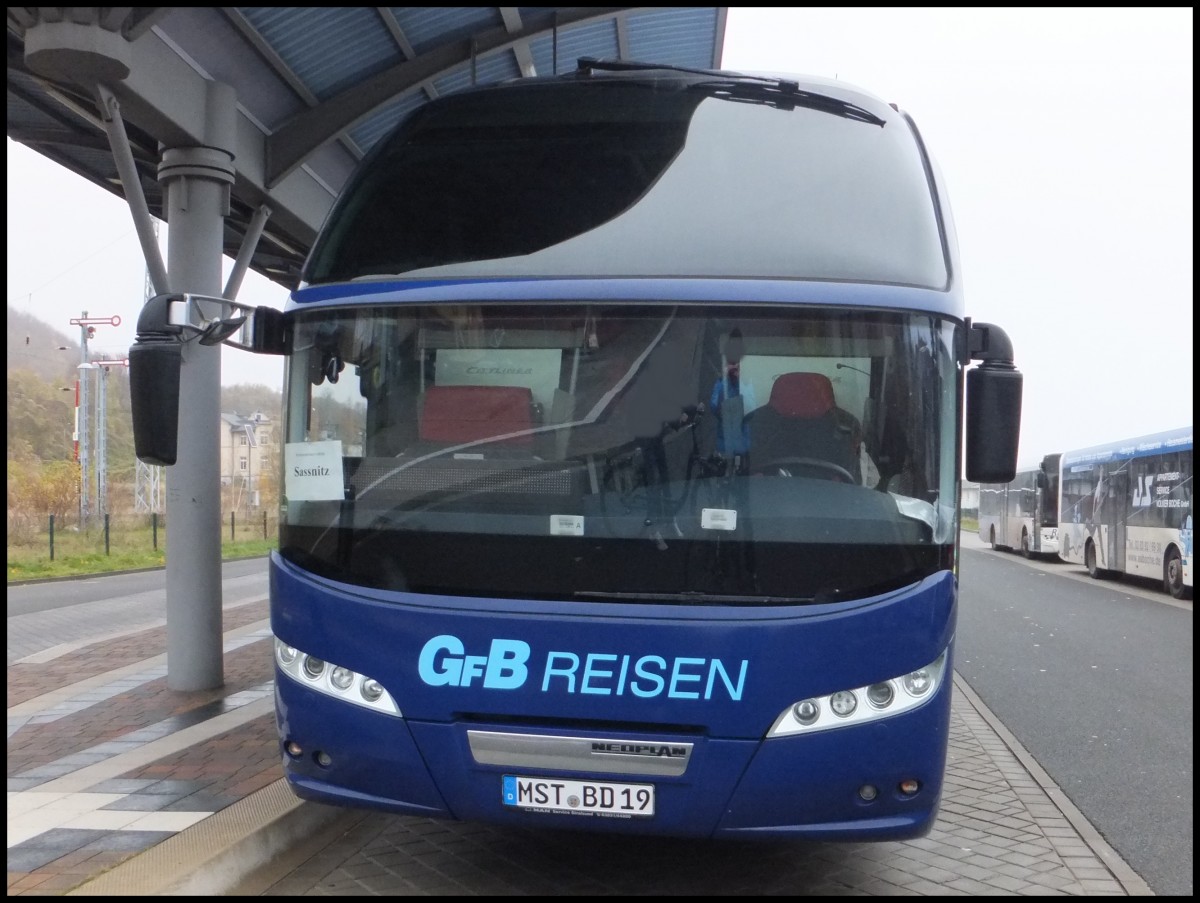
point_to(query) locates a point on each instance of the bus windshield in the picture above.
(713, 454)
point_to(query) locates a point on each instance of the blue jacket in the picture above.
(730, 439)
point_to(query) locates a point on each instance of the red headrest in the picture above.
(802, 395)
(468, 413)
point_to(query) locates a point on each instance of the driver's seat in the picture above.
(800, 422)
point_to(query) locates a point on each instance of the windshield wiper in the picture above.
(777, 92)
(785, 95)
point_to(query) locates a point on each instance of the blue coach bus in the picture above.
(622, 448)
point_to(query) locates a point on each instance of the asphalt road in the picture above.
(123, 603)
(1095, 680)
(24, 598)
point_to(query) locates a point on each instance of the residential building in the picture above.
(246, 443)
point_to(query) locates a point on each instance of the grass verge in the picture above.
(79, 555)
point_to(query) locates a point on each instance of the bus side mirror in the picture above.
(155, 361)
(993, 427)
(154, 366)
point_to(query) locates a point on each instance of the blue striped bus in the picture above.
(1127, 509)
(623, 428)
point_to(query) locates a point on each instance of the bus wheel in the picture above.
(1025, 550)
(1089, 560)
(1173, 576)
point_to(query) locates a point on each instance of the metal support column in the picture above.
(102, 366)
(146, 479)
(84, 432)
(102, 440)
(197, 180)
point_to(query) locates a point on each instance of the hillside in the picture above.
(50, 355)
(41, 349)
(42, 362)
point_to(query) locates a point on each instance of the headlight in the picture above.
(884, 698)
(807, 712)
(918, 683)
(843, 703)
(333, 680)
(285, 653)
(881, 695)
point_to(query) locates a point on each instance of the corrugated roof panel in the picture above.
(429, 27)
(229, 56)
(454, 80)
(598, 39)
(384, 119)
(536, 16)
(354, 44)
(682, 37)
(498, 66)
(20, 112)
(494, 67)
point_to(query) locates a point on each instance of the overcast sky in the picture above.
(1064, 136)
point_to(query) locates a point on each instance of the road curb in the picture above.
(1126, 876)
(213, 856)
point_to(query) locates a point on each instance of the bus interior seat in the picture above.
(455, 415)
(800, 421)
(481, 439)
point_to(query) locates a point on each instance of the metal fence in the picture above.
(54, 536)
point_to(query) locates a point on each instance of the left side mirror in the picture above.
(993, 427)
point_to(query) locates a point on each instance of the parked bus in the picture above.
(1127, 509)
(623, 422)
(1022, 514)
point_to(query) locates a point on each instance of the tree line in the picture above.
(43, 475)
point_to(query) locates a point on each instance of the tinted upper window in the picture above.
(634, 178)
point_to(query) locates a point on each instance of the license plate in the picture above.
(578, 797)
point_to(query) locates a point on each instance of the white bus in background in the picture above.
(1127, 509)
(1023, 513)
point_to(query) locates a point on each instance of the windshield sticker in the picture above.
(534, 368)
(566, 525)
(718, 519)
(313, 471)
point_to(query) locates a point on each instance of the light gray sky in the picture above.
(1064, 136)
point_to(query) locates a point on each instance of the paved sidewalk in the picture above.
(118, 785)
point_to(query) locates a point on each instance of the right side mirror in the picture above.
(165, 323)
(154, 367)
(155, 361)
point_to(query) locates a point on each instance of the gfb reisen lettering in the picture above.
(508, 664)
